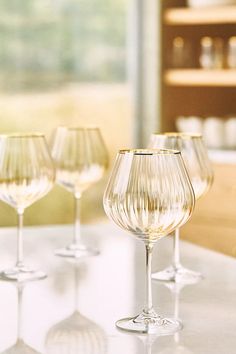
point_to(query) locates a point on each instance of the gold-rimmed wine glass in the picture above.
(26, 175)
(149, 194)
(81, 160)
(199, 169)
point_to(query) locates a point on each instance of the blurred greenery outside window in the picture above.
(64, 62)
(46, 44)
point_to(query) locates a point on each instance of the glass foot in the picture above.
(150, 324)
(76, 251)
(20, 347)
(178, 275)
(21, 274)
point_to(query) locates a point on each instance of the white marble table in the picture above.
(111, 286)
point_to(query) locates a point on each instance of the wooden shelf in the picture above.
(200, 16)
(200, 77)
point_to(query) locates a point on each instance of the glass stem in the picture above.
(176, 258)
(176, 312)
(76, 290)
(148, 309)
(148, 349)
(77, 234)
(19, 261)
(19, 317)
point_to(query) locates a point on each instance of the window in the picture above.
(64, 62)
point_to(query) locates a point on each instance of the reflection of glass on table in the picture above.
(20, 347)
(175, 345)
(76, 334)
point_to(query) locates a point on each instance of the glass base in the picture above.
(150, 324)
(20, 348)
(76, 251)
(178, 275)
(22, 274)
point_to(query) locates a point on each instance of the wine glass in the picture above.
(26, 175)
(200, 172)
(149, 194)
(81, 159)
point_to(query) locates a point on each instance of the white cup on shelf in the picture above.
(230, 133)
(191, 124)
(181, 123)
(195, 124)
(214, 132)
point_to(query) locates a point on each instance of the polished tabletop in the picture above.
(75, 308)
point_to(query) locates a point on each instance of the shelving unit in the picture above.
(208, 92)
(203, 93)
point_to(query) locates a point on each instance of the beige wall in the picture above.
(106, 106)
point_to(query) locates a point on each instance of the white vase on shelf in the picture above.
(190, 124)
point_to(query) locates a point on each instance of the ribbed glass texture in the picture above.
(80, 157)
(149, 193)
(26, 169)
(195, 156)
(76, 335)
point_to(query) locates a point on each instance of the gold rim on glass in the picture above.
(149, 151)
(180, 134)
(22, 135)
(92, 127)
